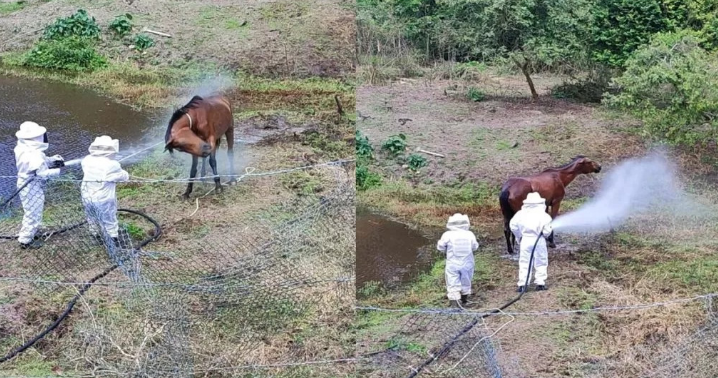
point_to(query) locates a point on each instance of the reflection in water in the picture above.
(388, 251)
(73, 116)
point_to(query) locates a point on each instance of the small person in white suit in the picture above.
(33, 169)
(101, 173)
(459, 244)
(529, 224)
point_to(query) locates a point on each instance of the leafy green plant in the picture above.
(396, 144)
(121, 25)
(79, 24)
(71, 53)
(143, 42)
(672, 86)
(416, 162)
(365, 178)
(475, 94)
(364, 149)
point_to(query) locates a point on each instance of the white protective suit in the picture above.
(459, 245)
(101, 172)
(527, 225)
(32, 164)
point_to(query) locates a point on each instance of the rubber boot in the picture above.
(521, 289)
(541, 288)
(464, 299)
(35, 244)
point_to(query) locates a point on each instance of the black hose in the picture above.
(84, 288)
(449, 344)
(17, 192)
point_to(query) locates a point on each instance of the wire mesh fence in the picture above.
(257, 281)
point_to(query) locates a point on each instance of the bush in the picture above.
(672, 85)
(365, 178)
(79, 24)
(590, 89)
(364, 149)
(143, 42)
(475, 94)
(71, 53)
(122, 25)
(396, 144)
(416, 162)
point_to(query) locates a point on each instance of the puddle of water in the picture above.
(73, 116)
(387, 251)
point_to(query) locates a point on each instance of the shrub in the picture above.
(71, 53)
(79, 24)
(365, 178)
(590, 89)
(122, 25)
(672, 85)
(416, 162)
(143, 42)
(364, 149)
(475, 94)
(396, 144)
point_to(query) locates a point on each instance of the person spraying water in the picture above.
(529, 225)
(101, 173)
(33, 168)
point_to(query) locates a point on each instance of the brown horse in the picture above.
(550, 184)
(197, 129)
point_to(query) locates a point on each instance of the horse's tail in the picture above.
(506, 210)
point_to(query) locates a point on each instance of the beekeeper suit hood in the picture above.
(458, 222)
(101, 172)
(105, 146)
(33, 136)
(528, 225)
(459, 245)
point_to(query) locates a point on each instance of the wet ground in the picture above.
(387, 251)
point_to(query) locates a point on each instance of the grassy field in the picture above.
(284, 76)
(503, 134)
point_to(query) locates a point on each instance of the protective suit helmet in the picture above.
(534, 200)
(458, 222)
(32, 131)
(104, 146)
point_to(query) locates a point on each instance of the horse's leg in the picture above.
(554, 211)
(203, 173)
(213, 164)
(192, 175)
(230, 153)
(508, 234)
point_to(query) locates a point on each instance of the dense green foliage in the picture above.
(365, 178)
(143, 42)
(121, 25)
(672, 85)
(70, 53)
(395, 144)
(79, 24)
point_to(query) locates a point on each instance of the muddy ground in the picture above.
(505, 135)
(299, 38)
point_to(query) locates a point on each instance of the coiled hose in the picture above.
(449, 344)
(86, 286)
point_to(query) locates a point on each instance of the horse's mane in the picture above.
(193, 103)
(573, 160)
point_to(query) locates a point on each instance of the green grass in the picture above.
(695, 275)
(7, 8)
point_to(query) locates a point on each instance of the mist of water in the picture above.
(636, 186)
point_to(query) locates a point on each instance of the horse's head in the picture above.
(180, 136)
(586, 165)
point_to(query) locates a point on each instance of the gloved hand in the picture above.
(56, 164)
(57, 157)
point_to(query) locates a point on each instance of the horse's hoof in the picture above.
(185, 196)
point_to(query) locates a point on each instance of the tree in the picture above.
(532, 33)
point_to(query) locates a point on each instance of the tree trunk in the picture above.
(525, 69)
